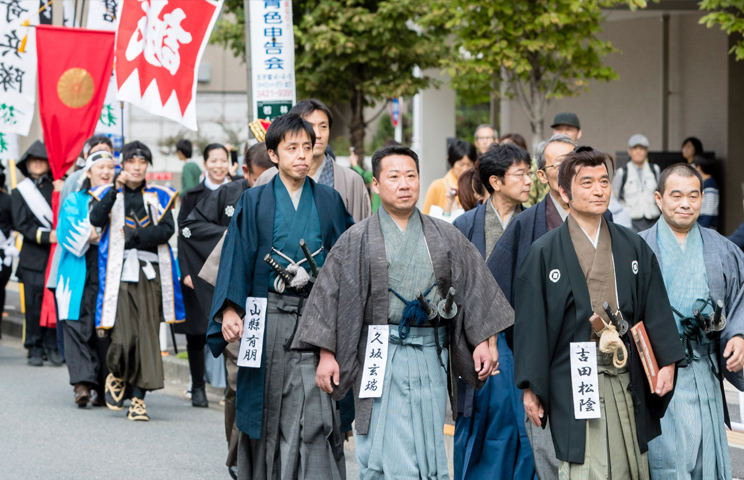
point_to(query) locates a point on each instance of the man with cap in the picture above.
(635, 183)
(33, 218)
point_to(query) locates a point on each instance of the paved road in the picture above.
(43, 435)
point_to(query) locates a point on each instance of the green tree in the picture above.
(360, 52)
(546, 49)
(727, 14)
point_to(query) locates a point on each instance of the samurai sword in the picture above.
(719, 321)
(700, 320)
(280, 271)
(310, 260)
(448, 307)
(620, 323)
(431, 312)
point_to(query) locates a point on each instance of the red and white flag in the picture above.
(159, 44)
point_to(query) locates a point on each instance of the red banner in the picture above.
(74, 69)
(159, 45)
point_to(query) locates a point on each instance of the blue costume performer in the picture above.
(138, 277)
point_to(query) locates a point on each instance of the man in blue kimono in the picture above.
(490, 436)
(289, 428)
(700, 269)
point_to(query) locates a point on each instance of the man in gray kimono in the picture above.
(700, 269)
(368, 289)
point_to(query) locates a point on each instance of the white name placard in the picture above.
(254, 324)
(375, 361)
(584, 381)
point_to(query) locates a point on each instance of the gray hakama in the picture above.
(300, 435)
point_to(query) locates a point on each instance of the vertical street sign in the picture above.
(272, 58)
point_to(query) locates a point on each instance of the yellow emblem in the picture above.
(75, 88)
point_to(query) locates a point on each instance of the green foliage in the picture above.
(358, 51)
(727, 14)
(340, 145)
(546, 48)
(468, 116)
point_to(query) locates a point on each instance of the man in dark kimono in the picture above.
(323, 169)
(371, 282)
(289, 428)
(206, 226)
(507, 257)
(563, 282)
(33, 218)
(490, 436)
(700, 268)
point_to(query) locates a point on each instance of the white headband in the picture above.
(97, 157)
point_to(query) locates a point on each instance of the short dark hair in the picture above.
(214, 146)
(582, 157)
(97, 140)
(695, 143)
(707, 165)
(683, 170)
(498, 159)
(458, 149)
(184, 146)
(514, 138)
(290, 123)
(304, 108)
(381, 153)
(136, 149)
(257, 156)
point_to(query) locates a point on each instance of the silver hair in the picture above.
(485, 125)
(540, 152)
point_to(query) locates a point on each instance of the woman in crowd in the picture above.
(217, 165)
(514, 138)
(691, 147)
(443, 192)
(470, 189)
(77, 283)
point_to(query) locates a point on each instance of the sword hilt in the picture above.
(700, 320)
(448, 307)
(717, 313)
(310, 260)
(432, 313)
(281, 271)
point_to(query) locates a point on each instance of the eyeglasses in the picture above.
(518, 176)
(555, 165)
(486, 138)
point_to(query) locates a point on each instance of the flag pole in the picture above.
(249, 91)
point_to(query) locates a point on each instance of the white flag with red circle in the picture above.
(159, 44)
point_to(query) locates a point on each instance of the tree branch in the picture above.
(374, 117)
(340, 113)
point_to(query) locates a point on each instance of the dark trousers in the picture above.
(195, 346)
(37, 337)
(81, 342)
(4, 277)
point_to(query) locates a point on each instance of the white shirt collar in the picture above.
(213, 186)
(594, 241)
(558, 207)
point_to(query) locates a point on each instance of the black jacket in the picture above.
(34, 254)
